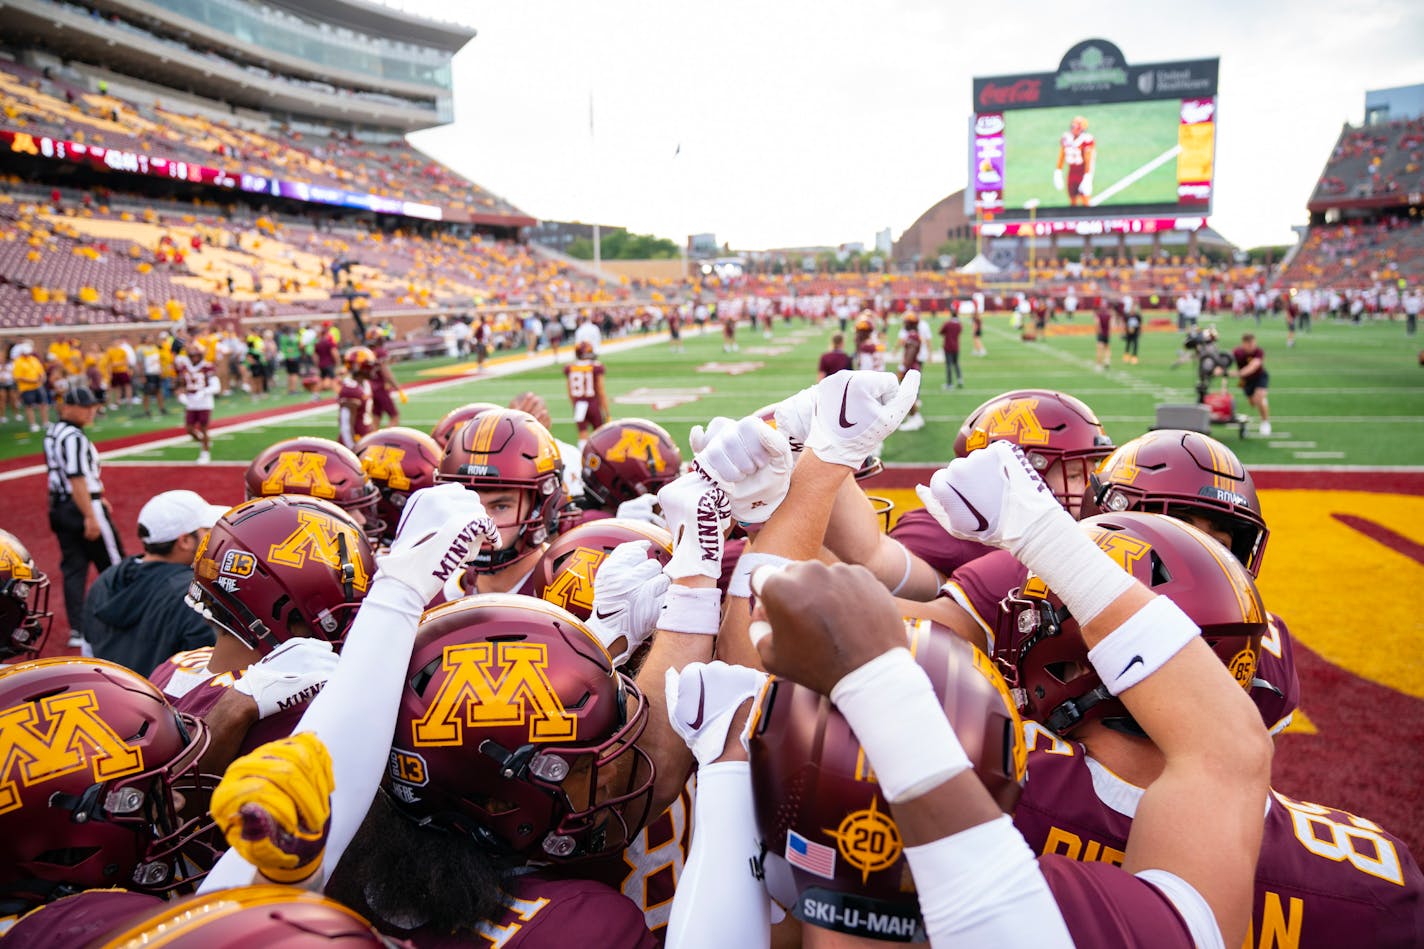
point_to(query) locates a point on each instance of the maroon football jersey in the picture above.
(984, 582)
(77, 920)
(923, 536)
(1278, 702)
(193, 689)
(1325, 878)
(1105, 906)
(546, 913)
(648, 870)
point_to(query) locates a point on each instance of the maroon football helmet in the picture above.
(514, 728)
(1060, 436)
(399, 461)
(628, 458)
(568, 567)
(280, 567)
(509, 449)
(276, 917)
(360, 362)
(320, 468)
(445, 429)
(1040, 648)
(827, 832)
(102, 787)
(24, 600)
(1183, 474)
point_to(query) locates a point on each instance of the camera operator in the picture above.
(1251, 370)
(1211, 362)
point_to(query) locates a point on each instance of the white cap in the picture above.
(168, 516)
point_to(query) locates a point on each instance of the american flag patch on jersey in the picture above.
(810, 856)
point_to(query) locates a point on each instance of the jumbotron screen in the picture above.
(1097, 137)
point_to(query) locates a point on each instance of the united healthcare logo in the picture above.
(1144, 82)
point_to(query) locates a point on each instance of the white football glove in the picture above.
(1086, 186)
(703, 699)
(749, 460)
(1058, 179)
(856, 412)
(993, 496)
(441, 528)
(699, 516)
(292, 673)
(642, 508)
(628, 592)
(793, 417)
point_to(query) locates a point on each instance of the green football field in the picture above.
(1344, 395)
(1128, 136)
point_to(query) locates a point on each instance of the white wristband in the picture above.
(696, 610)
(1085, 578)
(909, 566)
(1141, 645)
(912, 748)
(741, 582)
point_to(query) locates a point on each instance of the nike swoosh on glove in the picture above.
(749, 460)
(703, 698)
(699, 516)
(993, 496)
(292, 673)
(856, 412)
(628, 592)
(441, 528)
(274, 806)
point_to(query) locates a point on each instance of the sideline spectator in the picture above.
(134, 614)
(30, 382)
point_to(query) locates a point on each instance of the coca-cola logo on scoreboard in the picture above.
(1020, 92)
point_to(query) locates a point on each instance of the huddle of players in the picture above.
(546, 728)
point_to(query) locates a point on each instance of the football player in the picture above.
(25, 617)
(1078, 150)
(111, 793)
(586, 391)
(319, 468)
(627, 462)
(353, 397)
(399, 461)
(455, 418)
(198, 385)
(511, 461)
(279, 579)
(383, 382)
(913, 349)
(1324, 876)
(1197, 479)
(450, 822)
(1185, 883)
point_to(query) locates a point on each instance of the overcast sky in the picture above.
(809, 122)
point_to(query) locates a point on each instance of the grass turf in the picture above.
(1345, 394)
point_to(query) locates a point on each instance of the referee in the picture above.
(78, 513)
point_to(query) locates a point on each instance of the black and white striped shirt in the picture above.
(69, 453)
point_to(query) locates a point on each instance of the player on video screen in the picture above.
(1079, 152)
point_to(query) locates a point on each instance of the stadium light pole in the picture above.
(1031, 205)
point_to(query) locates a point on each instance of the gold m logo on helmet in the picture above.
(318, 536)
(494, 684)
(299, 469)
(75, 736)
(1125, 551)
(383, 463)
(12, 562)
(635, 443)
(573, 587)
(1014, 420)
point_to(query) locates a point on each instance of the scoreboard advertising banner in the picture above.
(1097, 137)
